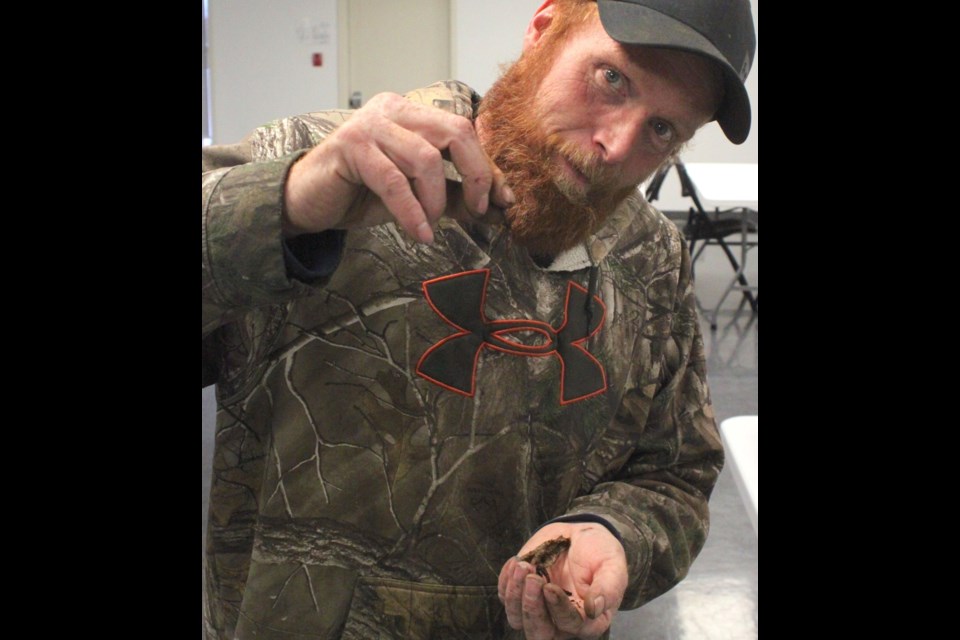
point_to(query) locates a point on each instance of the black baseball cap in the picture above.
(722, 30)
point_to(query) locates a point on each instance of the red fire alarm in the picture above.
(318, 59)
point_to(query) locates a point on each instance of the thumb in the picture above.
(594, 605)
(606, 592)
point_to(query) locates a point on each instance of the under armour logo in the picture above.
(459, 299)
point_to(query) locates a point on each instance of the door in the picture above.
(393, 45)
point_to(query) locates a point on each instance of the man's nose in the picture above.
(617, 135)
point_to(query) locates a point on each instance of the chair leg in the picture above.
(742, 279)
(739, 277)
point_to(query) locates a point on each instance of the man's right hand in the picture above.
(385, 164)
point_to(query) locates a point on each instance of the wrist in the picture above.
(585, 518)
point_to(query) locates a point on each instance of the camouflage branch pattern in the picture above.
(354, 498)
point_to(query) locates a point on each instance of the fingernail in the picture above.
(508, 196)
(484, 203)
(518, 573)
(424, 233)
(551, 597)
(597, 606)
(532, 585)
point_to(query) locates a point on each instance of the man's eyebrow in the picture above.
(625, 64)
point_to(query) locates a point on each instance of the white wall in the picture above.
(487, 34)
(260, 56)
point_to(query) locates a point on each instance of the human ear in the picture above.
(538, 25)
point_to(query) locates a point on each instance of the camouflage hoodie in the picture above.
(389, 436)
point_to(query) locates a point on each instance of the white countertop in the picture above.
(730, 183)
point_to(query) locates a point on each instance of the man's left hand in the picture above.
(593, 570)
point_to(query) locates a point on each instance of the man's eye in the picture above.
(612, 76)
(664, 131)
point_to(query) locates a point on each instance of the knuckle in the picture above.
(352, 134)
(360, 131)
(462, 127)
(482, 180)
(428, 157)
(380, 108)
(395, 183)
(386, 99)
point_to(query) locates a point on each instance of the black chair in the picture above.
(722, 228)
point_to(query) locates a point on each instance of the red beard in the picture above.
(552, 213)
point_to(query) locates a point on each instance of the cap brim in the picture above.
(631, 23)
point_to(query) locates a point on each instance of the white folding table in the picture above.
(730, 184)
(741, 441)
(735, 188)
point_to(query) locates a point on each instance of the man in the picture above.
(460, 375)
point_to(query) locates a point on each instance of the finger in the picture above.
(457, 209)
(569, 617)
(537, 623)
(386, 181)
(482, 180)
(412, 189)
(504, 578)
(606, 590)
(449, 131)
(501, 194)
(594, 606)
(566, 616)
(422, 163)
(513, 603)
(599, 615)
(476, 169)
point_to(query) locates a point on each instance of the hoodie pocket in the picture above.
(295, 601)
(385, 608)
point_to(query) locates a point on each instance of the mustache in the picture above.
(600, 175)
